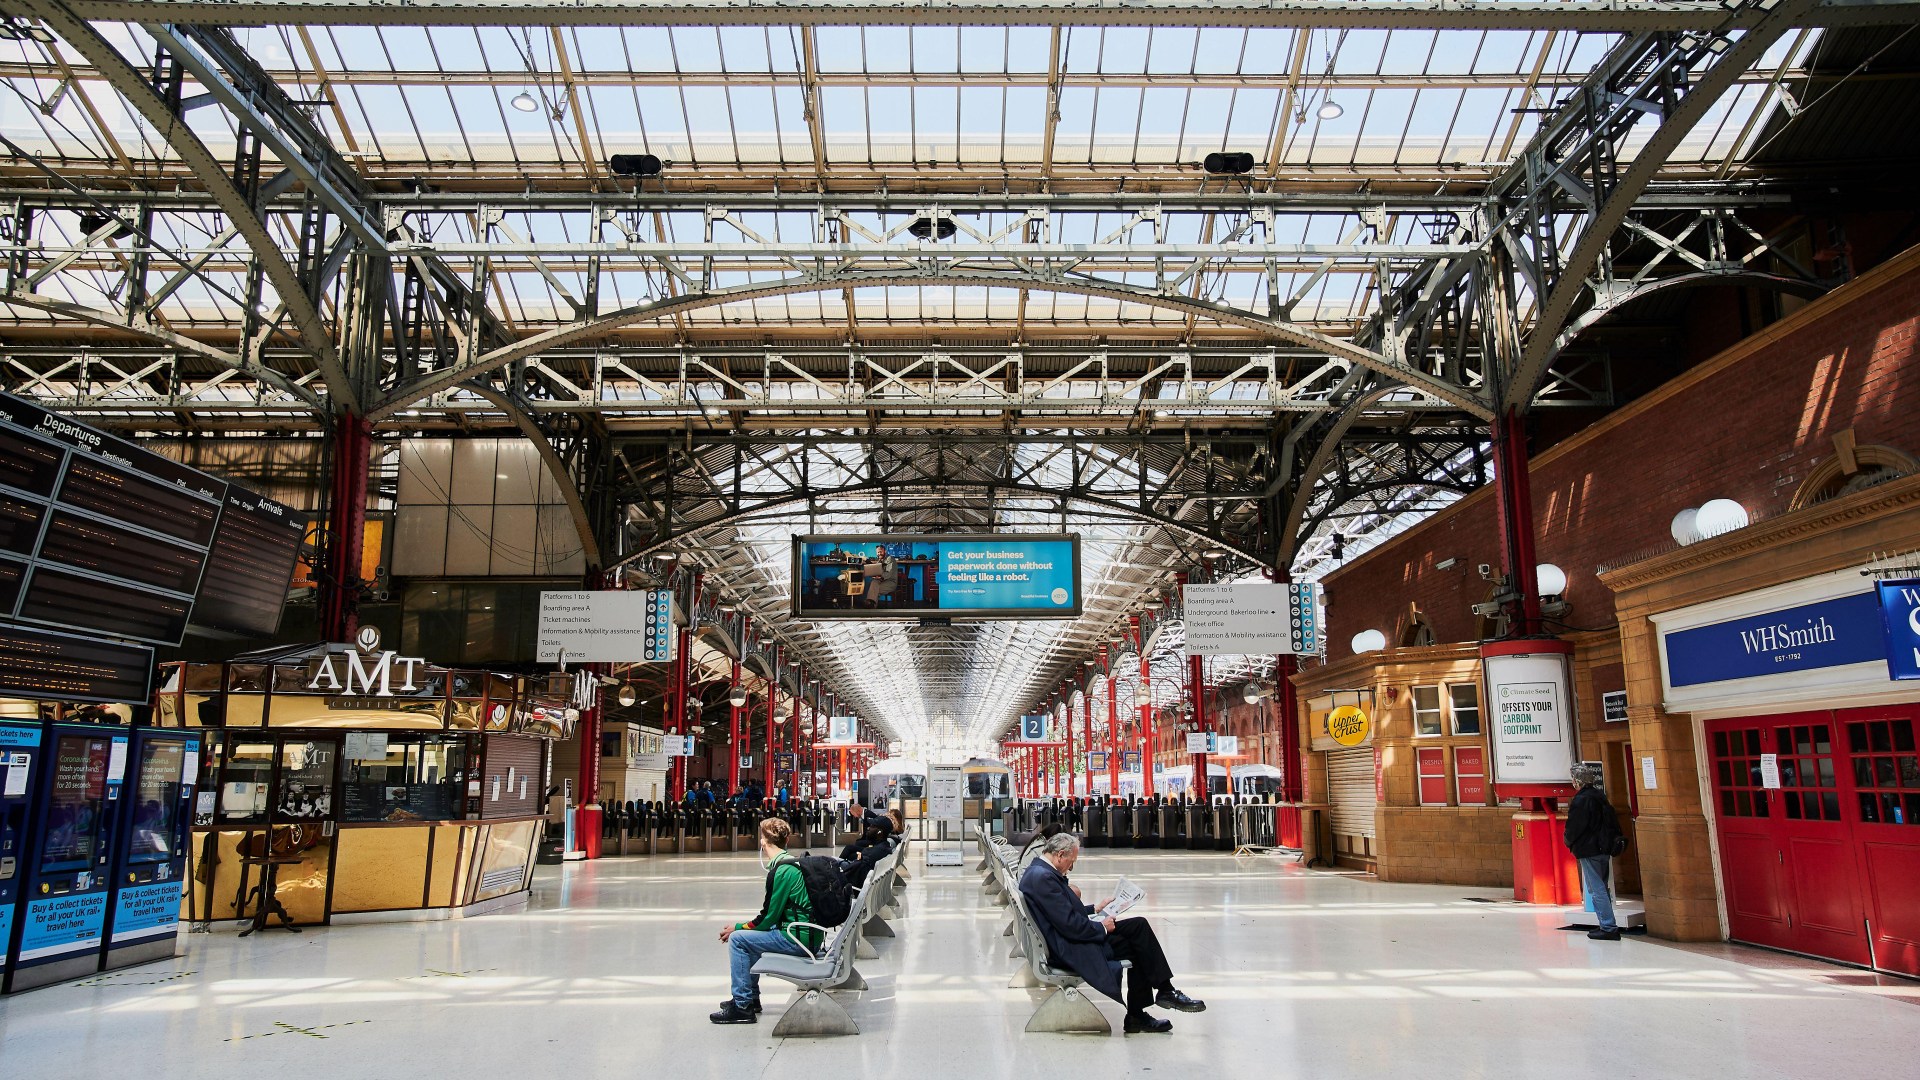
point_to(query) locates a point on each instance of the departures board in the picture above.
(101, 537)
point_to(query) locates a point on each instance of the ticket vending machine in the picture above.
(63, 909)
(19, 769)
(150, 854)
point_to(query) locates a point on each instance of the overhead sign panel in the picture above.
(1529, 689)
(606, 626)
(42, 664)
(250, 566)
(903, 576)
(1251, 618)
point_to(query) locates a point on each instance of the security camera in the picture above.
(1486, 570)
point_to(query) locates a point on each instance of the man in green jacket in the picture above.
(771, 931)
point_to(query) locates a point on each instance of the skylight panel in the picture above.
(696, 48)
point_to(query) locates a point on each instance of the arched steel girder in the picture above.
(166, 337)
(776, 501)
(145, 100)
(563, 477)
(1556, 307)
(1600, 311)
(1279, 329)
(1317, 467)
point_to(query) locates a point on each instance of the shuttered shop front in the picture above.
(1350, 786)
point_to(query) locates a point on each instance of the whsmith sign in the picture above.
(1824, 634)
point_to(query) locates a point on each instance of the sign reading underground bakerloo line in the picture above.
(938, 576)
(1252, 618)
(607, 626)
(1535, 737)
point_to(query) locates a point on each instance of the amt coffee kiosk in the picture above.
(150, 853)
(63, 911)
(19, 768)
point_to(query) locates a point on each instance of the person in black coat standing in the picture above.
(1093, 948)
(1593, 835)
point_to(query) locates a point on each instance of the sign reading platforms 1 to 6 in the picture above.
(1251, 618)
(607, 626)
(1534, 737)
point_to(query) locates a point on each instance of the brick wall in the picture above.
(1748, 424)
(1446, 845)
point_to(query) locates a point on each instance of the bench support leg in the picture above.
(853, 981)
(1067, 1010)
(864, 950)
(1023, 979)
(1019, 950)
(815, 1013)
(1008, 932)
(876, 927)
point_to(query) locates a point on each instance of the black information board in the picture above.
(250, 566)
(112, 538)
(41, 664)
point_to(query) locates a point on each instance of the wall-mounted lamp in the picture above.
(1367, 641)
(1550, 580)
(737, 697)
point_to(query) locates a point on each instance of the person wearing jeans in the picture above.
(1592, 833)
(774, 930)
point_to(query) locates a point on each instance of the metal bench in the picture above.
(1067, 1009)
(815, 1012)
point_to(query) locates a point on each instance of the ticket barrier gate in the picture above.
(1199, 834)
(151, 856)
(1096, 826)
(20, 768)
(1120, 825)
(61, 922)
(1222, 815)
(1146, 826)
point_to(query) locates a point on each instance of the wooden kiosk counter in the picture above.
(364, 785)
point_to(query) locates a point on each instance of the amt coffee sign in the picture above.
(1829, 633)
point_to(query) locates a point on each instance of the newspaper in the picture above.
(1125, 896)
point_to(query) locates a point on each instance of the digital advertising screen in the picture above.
(943, 576)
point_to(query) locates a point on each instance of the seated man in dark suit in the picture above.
(1092, 949)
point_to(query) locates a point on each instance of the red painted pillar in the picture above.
(1067, 723)
(677, 711)
(340, 581)
(734, 714)
(1515, 518)
(1146, 713)
(1197, 693)
(1113, 725)
(1086, 729)
(1287, 701)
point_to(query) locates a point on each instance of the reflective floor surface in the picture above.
(611, 971)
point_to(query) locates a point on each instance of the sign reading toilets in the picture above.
(1534, 736)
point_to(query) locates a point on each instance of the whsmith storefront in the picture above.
(1773, 684)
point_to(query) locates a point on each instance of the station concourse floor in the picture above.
(611, 970)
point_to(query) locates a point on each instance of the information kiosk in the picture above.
(19, 768)
(150, 854)
(63, 914)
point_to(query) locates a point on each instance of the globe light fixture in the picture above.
(1720, 516)
(1685, 528)
(737, 697)
(1552, 580)
(1367, 641)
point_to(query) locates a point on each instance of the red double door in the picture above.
(1820, 846)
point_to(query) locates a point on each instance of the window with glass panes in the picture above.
(1464, 700)
(1427, 713)
(1448, 705)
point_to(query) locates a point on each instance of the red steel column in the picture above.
(1197, 692)
(1288, 702)
(1067, 723)
(1113, 724)
(1146, 713)
(773, 703)
(734, 713)
(1086, 728)
(1514, 511)
(339, 578)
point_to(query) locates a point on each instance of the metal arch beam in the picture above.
(166, 337)
(1587, 319)
(1588, 15)
(776, 501)
(1317, 466)
(1543, 338)
(434, 382)
(563, 477)
(143, 99)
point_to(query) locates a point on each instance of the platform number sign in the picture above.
(1303, 619)
(1033, 728)
(658, 645)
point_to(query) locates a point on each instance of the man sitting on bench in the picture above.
(1091, 948)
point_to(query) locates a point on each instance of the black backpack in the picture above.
(828, 892)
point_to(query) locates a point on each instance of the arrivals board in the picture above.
(251, 562)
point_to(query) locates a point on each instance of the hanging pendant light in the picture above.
(1331, 110)
(525, 102)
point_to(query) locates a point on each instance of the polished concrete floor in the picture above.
(612, 969)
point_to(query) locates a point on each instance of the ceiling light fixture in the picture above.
(1330, 110)
(525, 102)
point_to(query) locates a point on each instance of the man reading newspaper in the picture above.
(1090, 942)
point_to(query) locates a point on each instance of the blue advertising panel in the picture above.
(146, 910)
(1097, 761)
(1829, 633)
(942, 576)
(1900, 615)
(62, 924)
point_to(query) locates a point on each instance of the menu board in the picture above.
(250, 565)
(41, 664)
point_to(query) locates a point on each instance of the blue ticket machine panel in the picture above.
(63, 913)
(150, 856)
(19, 769)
